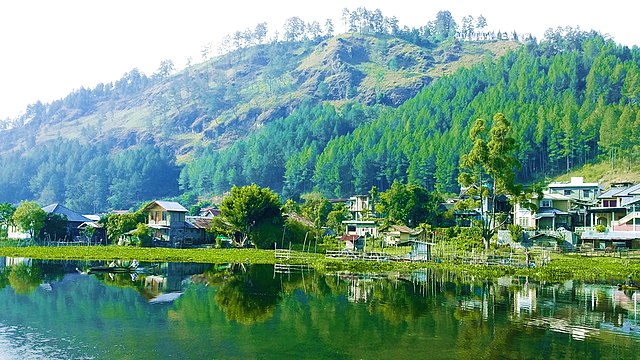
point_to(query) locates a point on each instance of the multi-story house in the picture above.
(552, 213)
(167, 219)
(360, 206)
(618, 213)
(583, 196)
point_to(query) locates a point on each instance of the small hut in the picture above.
(420, 250)
(353, 242)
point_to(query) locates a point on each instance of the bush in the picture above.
(516, 232)
(601, 228)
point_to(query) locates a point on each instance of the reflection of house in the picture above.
(525, 300)
(394, 234)
(552, 213)
(167, 220)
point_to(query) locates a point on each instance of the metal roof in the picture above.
(168, 205)
(71, 215)
(548, 212)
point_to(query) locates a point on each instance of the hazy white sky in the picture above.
(49, 48)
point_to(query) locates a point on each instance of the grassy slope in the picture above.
(372, 64)
(603, 173)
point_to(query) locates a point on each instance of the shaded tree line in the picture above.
(88, 177)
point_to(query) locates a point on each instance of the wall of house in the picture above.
(157, 215)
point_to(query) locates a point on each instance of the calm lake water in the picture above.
(55, 310)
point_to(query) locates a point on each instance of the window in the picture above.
(164, 216)
(545, 203)
(524, 222)
(586, 193)
(351, 228)
(567, 192)
(609, 203)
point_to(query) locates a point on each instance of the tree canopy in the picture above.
(408, 204)
(30, 217)
(252, 209)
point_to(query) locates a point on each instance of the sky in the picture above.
(50, 48)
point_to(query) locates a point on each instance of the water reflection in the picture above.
(209, 311)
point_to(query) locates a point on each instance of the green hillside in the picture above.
(336, 114)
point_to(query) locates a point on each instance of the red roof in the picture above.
(350, 237)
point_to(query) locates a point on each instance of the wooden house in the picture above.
(395, 234)
(420, 250)
(167, 220)
(74, 220)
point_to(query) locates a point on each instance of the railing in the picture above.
(356, 255)
(289, 254)
(625, 219)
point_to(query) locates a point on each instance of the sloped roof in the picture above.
(614, 192)
(402, 229)
(71, 215)
(168, 205)
(548, 212)
(199, 222)
(629, 191)
(350, 237)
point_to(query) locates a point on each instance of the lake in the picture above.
(56, 310)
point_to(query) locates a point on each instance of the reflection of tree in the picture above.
(4, 278)
(24, 279)
(249, 297)
(398, 303)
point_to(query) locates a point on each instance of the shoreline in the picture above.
(562, 267)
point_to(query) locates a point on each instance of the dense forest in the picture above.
(338, 114)
(572, 99)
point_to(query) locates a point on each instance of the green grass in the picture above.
(562, 267)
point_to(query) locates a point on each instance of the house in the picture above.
(420, 250)
(353, 242)
(360, 206)
(74, 220)
(583, 197)
(167, 219)
(209, 212)
(618, 208)
(364, 228)
(552, 213)
(395, 234)
(618, 212)
(467, 217)
(197, 230)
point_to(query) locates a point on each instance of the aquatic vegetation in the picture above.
(562, 266)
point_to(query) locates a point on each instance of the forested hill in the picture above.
(572, 100)
(316, 111)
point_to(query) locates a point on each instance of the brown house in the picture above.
(167, 220)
